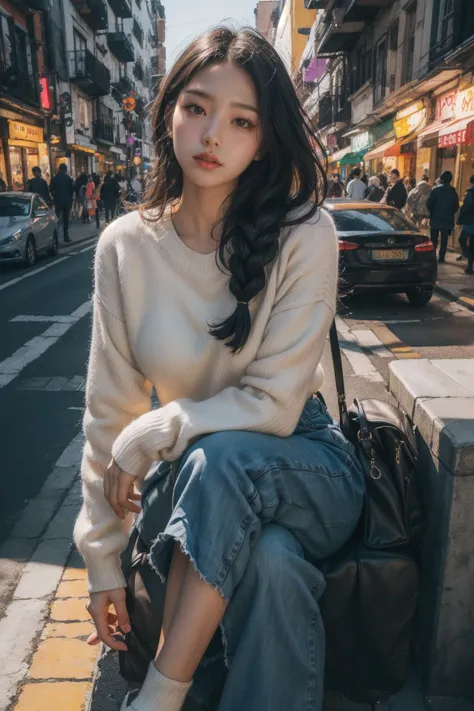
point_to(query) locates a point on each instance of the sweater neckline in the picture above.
(187, 258)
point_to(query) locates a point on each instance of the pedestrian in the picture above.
(356, 188)
(466, 219)
(219, 293)
(374, 191)
(335, 187)
(38, 185)
(110, 194)
(62, 190)
(90, 199)
(383, 181)
(417, 201)
(396, 194)
(442, 204)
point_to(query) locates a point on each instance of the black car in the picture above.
(381, 250)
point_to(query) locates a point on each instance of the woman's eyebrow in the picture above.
(205, 95)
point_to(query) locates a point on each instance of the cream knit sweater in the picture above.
(154, 298)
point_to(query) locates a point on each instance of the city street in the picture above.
(45, 323)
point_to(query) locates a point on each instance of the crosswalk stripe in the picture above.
(359, 361)
(368, 339)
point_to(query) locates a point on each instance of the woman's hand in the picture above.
(107, 623)
(119, 490)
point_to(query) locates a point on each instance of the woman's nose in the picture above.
(211, 136)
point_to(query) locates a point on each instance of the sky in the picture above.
(187, 18)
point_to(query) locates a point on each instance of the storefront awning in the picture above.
(456, 132)
(351, 158)
(430, 131)
(379, 151)
(397, 148)
(339, 155)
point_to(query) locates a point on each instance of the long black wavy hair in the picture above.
(288, 176)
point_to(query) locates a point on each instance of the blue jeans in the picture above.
(251, 511)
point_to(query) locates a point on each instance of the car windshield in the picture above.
(14, 206)
(372, 220)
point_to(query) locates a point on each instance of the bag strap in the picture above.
(339, 378)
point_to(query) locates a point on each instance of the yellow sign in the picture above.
(84, 149)
(408, 124)
(137, 160)
(465, 103)
(25, 132)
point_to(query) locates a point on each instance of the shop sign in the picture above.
(331, 140)
(465, 103)
(384, 131)
(465, 135)
(446, 105)
(406, 123)
(25, 132)
(360, 141)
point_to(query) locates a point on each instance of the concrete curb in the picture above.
(463, 300)
(69, 245)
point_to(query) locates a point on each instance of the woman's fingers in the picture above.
(99, 615)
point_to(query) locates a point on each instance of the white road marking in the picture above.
(42, 319)
(32, 273)
(368, 339)
(409, 320)
(35, 347)
(81, 409)
(359, 361)
(92, 246)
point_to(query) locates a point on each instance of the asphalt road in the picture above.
(45, 329)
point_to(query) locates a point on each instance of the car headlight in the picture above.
(15, 237)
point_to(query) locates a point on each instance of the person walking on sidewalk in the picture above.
(466, 219)
(417, 201)
(218, 292)
(356, 187)
(62, 190)
(442, 204)
(110, 194)
(90, 201)
(38, 185)
(374, 191)
(396, 193)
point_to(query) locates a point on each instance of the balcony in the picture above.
(94, 12)
(315, 4)
(334, 34)
(88, 73)
(21, 86)
(364, 10)
(137, 30)
(104, 131)
(121, 46)
(325, 111)
(121, 8)
(138, 71)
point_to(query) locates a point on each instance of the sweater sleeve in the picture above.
(116, 393)
(272, 392)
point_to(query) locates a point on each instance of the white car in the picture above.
(28, 226)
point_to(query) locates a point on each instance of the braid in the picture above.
(253, 250)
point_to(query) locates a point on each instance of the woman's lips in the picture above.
(207, 162)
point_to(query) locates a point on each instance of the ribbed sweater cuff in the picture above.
(104, 573)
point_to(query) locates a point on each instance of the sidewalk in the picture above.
(454, 283)
(79, 232)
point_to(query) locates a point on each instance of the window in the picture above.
(83, 112)
(372, 220)
(392, 56)
(446, 21)
(80, 44)
(409, 49)
(6, 41)
(381, 71)
(14, 206)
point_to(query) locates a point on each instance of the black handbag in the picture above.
(372, 584)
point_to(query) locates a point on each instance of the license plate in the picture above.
(386, 254)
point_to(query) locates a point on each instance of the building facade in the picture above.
(76, 81)
(293, 20)
(265, 18)
(399, 87)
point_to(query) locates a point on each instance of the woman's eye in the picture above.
(194, 109)
(243, 123)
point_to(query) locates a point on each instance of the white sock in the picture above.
(159, 693)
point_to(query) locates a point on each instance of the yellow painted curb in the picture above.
(54, 696)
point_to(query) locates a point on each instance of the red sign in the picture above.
(45, 98)
(464, 135)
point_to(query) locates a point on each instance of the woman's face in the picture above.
(215, 128)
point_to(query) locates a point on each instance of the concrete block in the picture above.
(60, 478)
(447, 426)
(13, 556)
(22, 623)
(72, 610)
(72, 588)
(42, 574)
(68, 629)
(74, 495)
(57, 695)
(58, 658)
(409, 382)
(62, 524)
(461, 371)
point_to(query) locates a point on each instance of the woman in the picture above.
(80, 190)
(417, 201)
(374, 191)
(90, 199)
(110, 194)
(466, 220)
(383, 181)
(219, 293)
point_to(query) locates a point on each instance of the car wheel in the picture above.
(419, 298)
(54, 249)
(30, 252)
